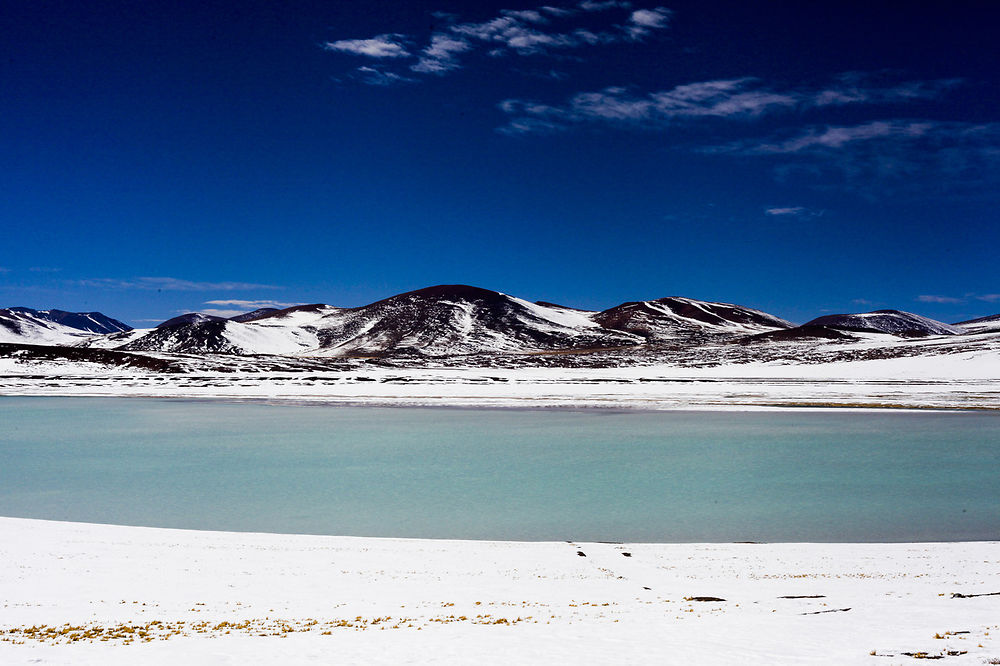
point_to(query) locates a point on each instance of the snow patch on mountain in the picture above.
(981, 325)
(260, 339)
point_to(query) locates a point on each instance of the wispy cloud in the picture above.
(527, 32)
(930, 298)
(793, 211)
(375, 76)
(168, 284)
(4, 270)
(44, 269)
(933, 298)
(644, 21)
(441, 55)
(381, 46)
(885, 157)
(741, 98)
(833, 137)
(214, 312)
(862, 302)
(252, 305)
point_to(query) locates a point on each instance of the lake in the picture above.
(503, 474)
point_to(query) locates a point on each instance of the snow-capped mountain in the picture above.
(450, 320)
(463, 322)
(264, 331)
(54, 327)
(893, 322)
(217, 336)
(436, 321)
(981, 325)
(457, 319)
(673, 317)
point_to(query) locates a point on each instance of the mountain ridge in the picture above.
(461, 320)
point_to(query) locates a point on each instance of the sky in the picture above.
(800, 158)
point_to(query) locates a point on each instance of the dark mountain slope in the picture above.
(893, 322)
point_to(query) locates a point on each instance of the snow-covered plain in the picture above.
(74, 593)
(955, 380)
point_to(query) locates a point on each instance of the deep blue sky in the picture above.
(801, 158)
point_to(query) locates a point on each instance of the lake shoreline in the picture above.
(517, 405)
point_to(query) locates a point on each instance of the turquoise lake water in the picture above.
(503, 474)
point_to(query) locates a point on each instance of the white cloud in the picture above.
(930, 298)
(212, 312)
(374, 76)
(527, 15)
(933, 298)
(643, 21)
(169, 284)
(439, 56)
(872, 88)
(885, 158)
(720, 99)
(556, 11)
(512, 34)
(526, 32)
(745, 97)
(252, 305)
(837, 137)
(381, 46)
(793, 211)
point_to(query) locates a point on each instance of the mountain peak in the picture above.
(456, 292)
(189, 318)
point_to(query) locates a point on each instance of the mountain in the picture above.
(436, 321)
(214, 335)
(981, 325)
(461, 326)
(673, 317)
(450, 320)
(459, 319)
(893, 322)
(799, 333)
(29, 326)
(185, 334)
(88, 322)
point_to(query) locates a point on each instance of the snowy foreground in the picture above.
(969, 379)
(73, 593)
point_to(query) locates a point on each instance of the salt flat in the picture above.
(73, 593)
